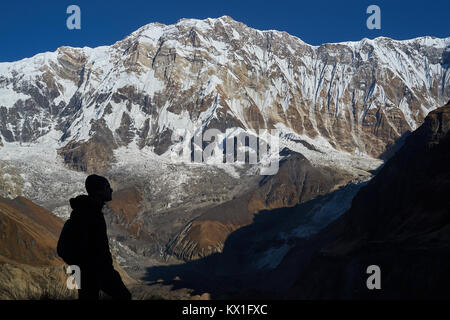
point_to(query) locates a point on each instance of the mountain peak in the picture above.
(224, 18)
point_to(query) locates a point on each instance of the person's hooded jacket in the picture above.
(88, 240)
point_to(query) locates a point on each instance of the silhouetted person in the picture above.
(85, 243)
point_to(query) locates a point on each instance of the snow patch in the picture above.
(8, 97)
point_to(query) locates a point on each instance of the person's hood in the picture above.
(84, 203)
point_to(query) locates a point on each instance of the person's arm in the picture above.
(103, 254)
(109, 279)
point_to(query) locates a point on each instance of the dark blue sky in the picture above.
(27, 28)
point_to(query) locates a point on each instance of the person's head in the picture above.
(98, 187)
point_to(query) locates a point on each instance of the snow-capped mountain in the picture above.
(114, 109)
(351, 97)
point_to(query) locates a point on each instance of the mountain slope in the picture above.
(29, 233)
(297, 181)
(400, 221)
(29, 264)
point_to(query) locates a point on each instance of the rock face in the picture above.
(297, 181)
(92, 156)
(358, 96)
(400, 221)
